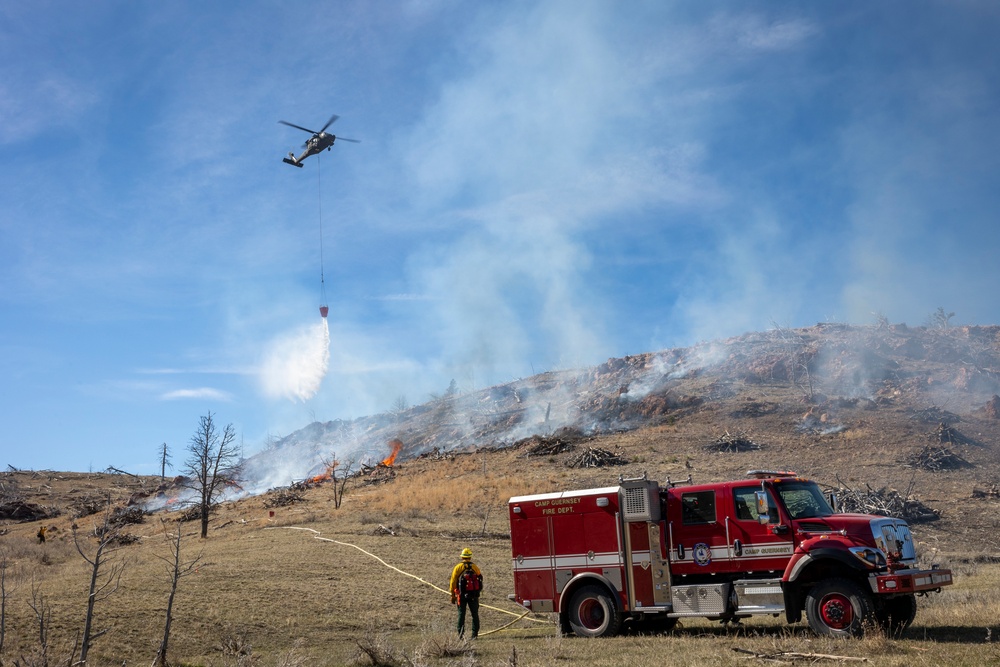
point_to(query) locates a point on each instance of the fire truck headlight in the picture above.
(872, 557)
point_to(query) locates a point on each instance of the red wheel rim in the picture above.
(591, 614)
(836, 611)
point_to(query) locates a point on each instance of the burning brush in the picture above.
(397, 447)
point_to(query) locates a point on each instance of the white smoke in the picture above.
(296, 363)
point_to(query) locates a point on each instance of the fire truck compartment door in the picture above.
(660, 566)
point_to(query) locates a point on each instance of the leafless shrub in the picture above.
(375, 649)
(445, 645)
(236, 648)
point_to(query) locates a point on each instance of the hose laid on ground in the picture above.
(317, 536)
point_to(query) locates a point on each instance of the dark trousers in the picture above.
(472, 602)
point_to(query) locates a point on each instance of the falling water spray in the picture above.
(296, 363)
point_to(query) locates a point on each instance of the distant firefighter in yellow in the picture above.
(465, 586)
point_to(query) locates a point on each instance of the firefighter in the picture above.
(465, 586)
(41, 535)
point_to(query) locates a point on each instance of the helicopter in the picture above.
(316, 144)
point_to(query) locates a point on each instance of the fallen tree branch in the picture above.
(794, 655)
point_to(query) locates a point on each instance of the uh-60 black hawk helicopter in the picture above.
(316, 144)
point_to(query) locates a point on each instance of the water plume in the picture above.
(296, 363)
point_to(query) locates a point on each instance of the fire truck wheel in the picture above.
(895, 614)
(839, 608)
(592, 613)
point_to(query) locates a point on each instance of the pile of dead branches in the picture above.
(126, 515)
(88, 505)
(936, 459)
(992, 492)
(192, 513)
(437, 455)
(934, 414)
(947, 434)
(595, 457)
(885, 502)
(538, 446)
(733, 443)
(15, 509)
(125, 539)
(282, 498)
(380, 474)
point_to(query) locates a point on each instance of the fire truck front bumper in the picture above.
(909, 581)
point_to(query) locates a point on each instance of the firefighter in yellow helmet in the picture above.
(465, 586)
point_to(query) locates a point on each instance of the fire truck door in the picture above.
(757, 547)
(698, 530)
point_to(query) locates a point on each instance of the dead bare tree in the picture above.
(42, 617)
(214, 463)
(165, 461)
(3, 597)
(177, 569)
(339, 474)
(103, 584)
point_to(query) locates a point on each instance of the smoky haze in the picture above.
(822, 366)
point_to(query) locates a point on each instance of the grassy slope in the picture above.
(266, 582)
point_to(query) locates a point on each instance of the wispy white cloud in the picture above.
(209, 393)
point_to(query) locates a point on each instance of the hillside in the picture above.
(892, 409)
(914, 408)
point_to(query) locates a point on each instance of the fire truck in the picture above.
(645, 555)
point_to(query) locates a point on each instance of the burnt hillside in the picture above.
(812, 382)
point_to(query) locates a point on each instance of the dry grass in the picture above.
(267, 593)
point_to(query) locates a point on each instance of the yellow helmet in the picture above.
(466, 553)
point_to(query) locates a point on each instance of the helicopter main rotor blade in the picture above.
(332, 119)
(297, 127)
(353, 141)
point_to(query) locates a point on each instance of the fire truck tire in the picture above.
(896, 614)
(839, 608)
(592, 613)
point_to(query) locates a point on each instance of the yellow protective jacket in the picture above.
(456, 574)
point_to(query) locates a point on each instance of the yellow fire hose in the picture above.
(317, 536)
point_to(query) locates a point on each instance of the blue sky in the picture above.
(539, 185)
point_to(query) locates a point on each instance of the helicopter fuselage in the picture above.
(317, 143)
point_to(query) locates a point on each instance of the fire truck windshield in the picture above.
(803, 500)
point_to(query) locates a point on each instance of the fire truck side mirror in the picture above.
(834, 501)
(763, 509)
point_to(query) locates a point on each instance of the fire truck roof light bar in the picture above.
(764, 474)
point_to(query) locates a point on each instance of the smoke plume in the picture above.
(295, 364)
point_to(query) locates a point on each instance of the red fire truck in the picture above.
(647, 555)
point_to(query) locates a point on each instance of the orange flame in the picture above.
(397, 446)
(323, 477)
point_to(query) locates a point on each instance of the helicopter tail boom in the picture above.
(292, 161)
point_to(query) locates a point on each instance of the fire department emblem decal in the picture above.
(702, 553)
